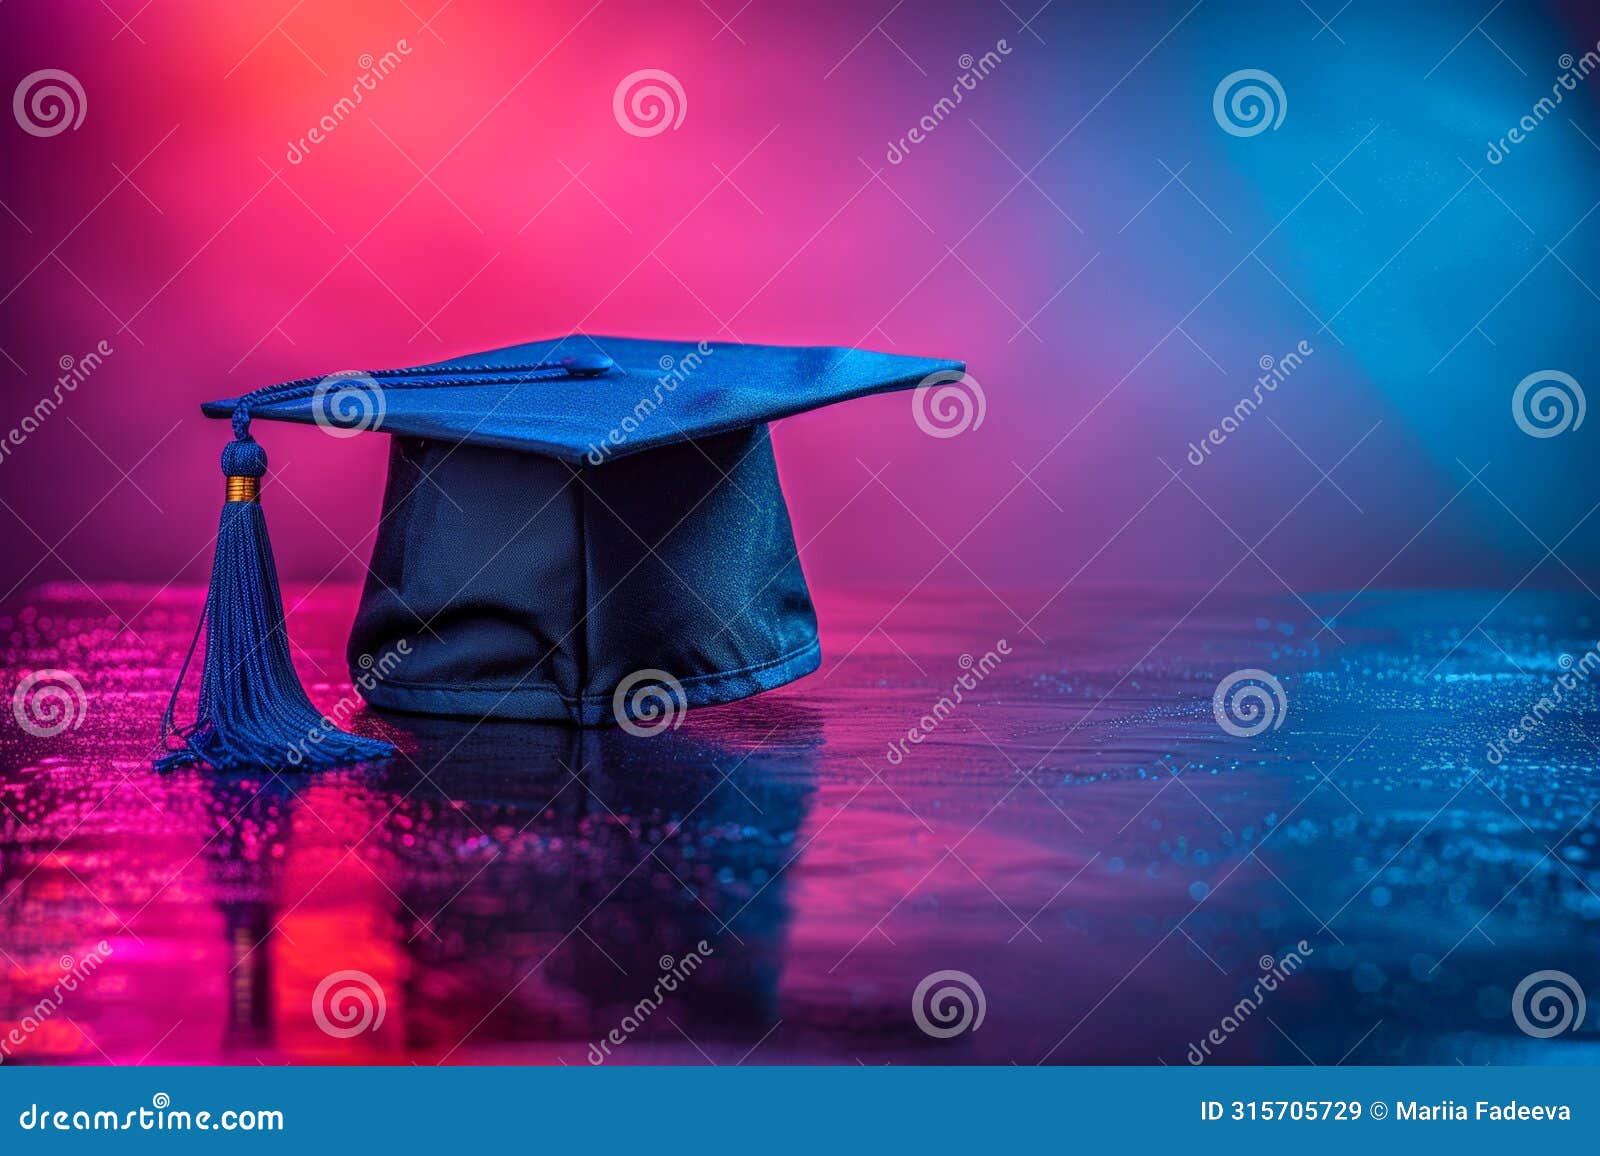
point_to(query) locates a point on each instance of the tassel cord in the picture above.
(415, 377)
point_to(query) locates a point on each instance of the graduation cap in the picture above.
(588, 530)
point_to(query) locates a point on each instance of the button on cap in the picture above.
(587, 364)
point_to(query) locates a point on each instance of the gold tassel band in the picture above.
(244, 489)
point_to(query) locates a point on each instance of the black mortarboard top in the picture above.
(587, 530)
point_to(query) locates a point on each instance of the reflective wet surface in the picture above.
(768, 883)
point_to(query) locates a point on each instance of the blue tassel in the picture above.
(253, 713)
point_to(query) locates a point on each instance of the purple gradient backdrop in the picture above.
(484, 194)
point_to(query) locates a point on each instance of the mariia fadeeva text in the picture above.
(1480, 1110)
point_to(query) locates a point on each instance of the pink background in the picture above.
(484, 194)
